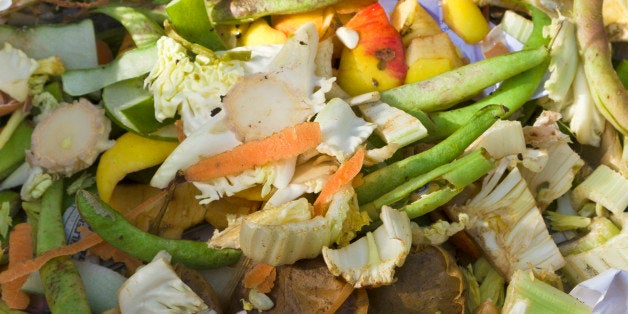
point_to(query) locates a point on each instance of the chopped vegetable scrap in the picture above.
(312, 156)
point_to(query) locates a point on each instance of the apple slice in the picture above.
(412, 21)
(378, 61)
(435, 46)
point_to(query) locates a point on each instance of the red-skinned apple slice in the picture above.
(377, 63)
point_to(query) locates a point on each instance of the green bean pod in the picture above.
(122, 234)
(447, 89)
(386, 179)
(63, 286)
(450, 178)
(513, 92)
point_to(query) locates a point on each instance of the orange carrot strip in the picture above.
(267, 285)
(31, 265)
(258, 275)
(342, 176)
(286, 143)
(20, 249)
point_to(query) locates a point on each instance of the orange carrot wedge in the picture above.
(286, 143)
(20, 250)
(261, 277)
(342, 176)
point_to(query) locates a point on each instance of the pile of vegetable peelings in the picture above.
(311, 156)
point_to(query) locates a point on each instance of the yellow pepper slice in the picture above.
(130, 153)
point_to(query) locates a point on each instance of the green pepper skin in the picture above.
(119, 232)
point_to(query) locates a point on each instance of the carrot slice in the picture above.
(20, 250)
(342, 176)
(31, 265)
(261, 277)
(286, 143)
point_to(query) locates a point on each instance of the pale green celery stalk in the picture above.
(516, 26)
(563, 222)
(586, 265)
(493, 288)
(450, 179)
(601, 230)
(563, 59)
(527, 294)
(603, 248)
(609, 94)
(473, 289)
(605, 187)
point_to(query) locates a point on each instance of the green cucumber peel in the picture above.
(119, 232)
(132, 64)
(190, 20)
(131, 106)
(240, 11)
(73, 43)
(142, 28)
(451, 178)
(386, 179)
(450, 88)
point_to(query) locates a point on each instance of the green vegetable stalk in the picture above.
(13, 152)
(63, 286)
(512, 93)
(527, 294)
(608, 91)
(449, 180)
(119, 232)
(443, 91)
(386, 179)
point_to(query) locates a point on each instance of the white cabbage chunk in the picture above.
(371, 260)
(156, 288)
(15, 70)
(342, 130)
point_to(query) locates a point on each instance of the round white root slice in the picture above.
(260, 105)
(70, 138)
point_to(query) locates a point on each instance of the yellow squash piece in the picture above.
(130, 153)
(427, 67)
(465, 18)
(260, 33)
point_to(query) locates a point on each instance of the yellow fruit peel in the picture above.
(130, 153)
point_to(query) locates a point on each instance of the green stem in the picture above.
(607, 89)
(443, 91)
(457, 175)
(63, 286)
(239, 11)
(119, 232)
(512, 93)
(386, 179)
